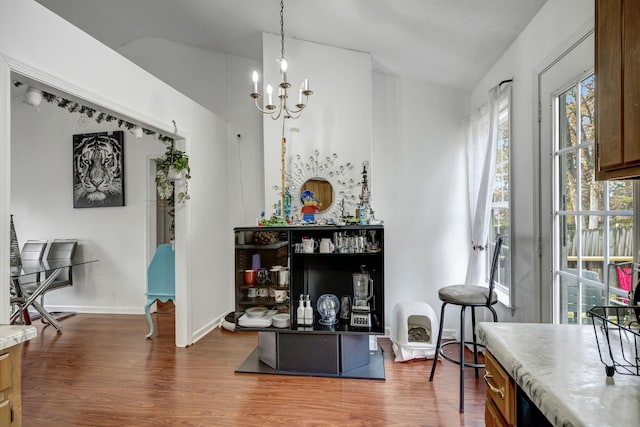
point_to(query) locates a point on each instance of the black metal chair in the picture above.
(467, 296)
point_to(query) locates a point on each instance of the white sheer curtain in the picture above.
(481, 160)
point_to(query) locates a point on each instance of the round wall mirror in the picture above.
(322, 191)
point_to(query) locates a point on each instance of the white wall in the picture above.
(420, 189)
(221, 83)
(538, 44)
(42, 46)
(42, 204)
(338, 118)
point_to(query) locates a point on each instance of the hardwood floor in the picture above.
(102, 372)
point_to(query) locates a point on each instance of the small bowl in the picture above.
(256, 311)
(280, 320)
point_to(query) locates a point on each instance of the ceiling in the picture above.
(446, 42)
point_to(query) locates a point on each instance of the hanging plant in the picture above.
(171, 163)
(173, 166)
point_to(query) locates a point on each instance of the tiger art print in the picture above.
(98, 169)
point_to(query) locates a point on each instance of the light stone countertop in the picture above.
(11, 335)
(559, 368)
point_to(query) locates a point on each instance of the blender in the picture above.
(362, 293)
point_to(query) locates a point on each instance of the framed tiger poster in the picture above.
(98, 169)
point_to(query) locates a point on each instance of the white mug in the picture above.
(280, 295)
(309, 246)
(252, 292)
(326, 246)
(263, 292)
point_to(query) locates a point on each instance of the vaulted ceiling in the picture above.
(447, 42)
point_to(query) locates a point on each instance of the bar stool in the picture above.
(467, 296)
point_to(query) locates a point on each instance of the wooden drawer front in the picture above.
(500, 389)
(5, 413)
(5, 371)
(492, 417)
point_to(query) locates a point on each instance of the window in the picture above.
(593, 220)
(501, 205)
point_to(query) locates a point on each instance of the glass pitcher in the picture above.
(362, 288)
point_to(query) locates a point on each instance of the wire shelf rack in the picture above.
(617, 334)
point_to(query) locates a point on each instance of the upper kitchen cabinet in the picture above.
(617, 67)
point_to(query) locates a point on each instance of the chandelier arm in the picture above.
(293, 114)
(276, 117)
(300, 107)
(262, 110)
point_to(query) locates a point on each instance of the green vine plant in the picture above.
(165, 186)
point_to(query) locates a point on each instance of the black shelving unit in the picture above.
(338, 350)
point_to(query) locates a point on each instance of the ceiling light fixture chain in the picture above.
(275, 111)
(282, 28)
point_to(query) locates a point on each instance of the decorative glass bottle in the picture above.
(14, 248)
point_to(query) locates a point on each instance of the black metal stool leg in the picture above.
(462, 309)
(435, 357)
(475, 340)
(493, 311)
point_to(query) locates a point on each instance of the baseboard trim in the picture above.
(200, 333)
(96, 310)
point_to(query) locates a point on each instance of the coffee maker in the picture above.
(362, 293)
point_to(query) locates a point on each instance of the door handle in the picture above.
(494, 389)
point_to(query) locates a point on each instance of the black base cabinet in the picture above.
(340, 349)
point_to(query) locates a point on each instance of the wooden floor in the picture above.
(100, 371)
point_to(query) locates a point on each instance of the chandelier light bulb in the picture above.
(284, 65)
(300, 94)
(254, 77)
(269, 92)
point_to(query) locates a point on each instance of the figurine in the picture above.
(310, 206)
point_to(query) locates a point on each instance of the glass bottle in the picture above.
(300, 311)
(308, 311)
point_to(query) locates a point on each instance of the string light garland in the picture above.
(98, 116)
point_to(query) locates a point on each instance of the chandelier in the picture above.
(269, 107)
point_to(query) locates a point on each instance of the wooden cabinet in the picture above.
(617, 67)
(10, 387)
(500, 405)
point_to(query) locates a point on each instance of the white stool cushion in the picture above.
(466, 294)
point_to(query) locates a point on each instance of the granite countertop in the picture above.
(11, 335)
(559, 368)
